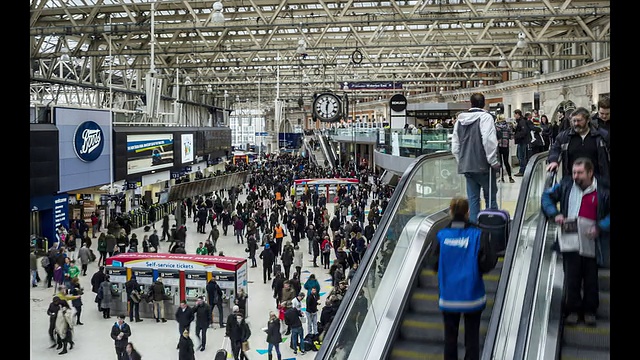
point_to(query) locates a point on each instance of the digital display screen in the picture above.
(192, 292)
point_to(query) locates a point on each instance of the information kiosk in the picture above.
(118, 277)
(145, 279)
(184, 276)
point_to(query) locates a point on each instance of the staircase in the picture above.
(421, 334)
(582, 342)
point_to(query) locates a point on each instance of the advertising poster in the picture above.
(149, 152)
(187, 148)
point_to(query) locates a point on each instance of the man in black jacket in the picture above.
(267, 257)
(292, 319)
(184, 317)
(203, 314)
(120, 333)
(215, 294)
(520, 139)
(133, 298)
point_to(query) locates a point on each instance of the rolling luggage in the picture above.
(221, 354)
(496, 222)
(277, 268)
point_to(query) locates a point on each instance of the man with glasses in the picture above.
(583, 140)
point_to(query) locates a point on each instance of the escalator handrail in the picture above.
(514, 232)
(534, 269)
(359, 277)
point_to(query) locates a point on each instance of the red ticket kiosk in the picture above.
(185, 276)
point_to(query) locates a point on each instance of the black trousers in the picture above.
(220, 316)
(134, 310)
(266, 273)
(581, 283)
(201, 333)
(471, 335)
(503, 157)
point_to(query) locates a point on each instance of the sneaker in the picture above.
(511, 180)
(138, 320)
(590, 319)
(295, 352)
(518, 174)
(571, 319)
(164, 320)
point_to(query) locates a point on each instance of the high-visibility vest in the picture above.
(279, 232)
(278, 196)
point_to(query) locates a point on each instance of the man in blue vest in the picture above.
(461, 255)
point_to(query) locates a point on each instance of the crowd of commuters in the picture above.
(280, 226)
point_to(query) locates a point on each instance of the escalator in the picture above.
(327, 150)
(400, 318)
(542, 333)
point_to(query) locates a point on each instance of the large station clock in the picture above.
(327, 107)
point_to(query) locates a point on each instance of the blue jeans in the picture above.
(271, 346)
(297, 337)
(475, 182)
(34, 277)
(312, 322)
(521, 153)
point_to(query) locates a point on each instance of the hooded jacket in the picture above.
(474, 143)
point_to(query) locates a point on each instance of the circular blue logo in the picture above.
(88, 141)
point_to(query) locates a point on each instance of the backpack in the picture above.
(45, 262)
(326, 248)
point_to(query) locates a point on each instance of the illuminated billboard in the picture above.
(149, 152)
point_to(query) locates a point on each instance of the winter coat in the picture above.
(64, 322)
(107, 294)
(273, 332)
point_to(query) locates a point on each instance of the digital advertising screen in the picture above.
(149, 152)
(187, 148)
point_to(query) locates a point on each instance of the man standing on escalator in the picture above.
(584, 220)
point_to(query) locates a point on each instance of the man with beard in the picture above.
(581, 140)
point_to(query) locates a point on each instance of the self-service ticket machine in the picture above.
(195, 285)
(118, 277)
(171, 281)
(227, 283)
(145, 279)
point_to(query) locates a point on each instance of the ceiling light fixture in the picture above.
(522, 40)
(217, 17)
(502, 62)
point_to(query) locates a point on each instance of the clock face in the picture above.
(327, 107)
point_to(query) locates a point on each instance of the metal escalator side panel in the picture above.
(501, 337)
(405, 203)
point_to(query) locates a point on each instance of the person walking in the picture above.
(475, 147)
(504, 135)
(274, 337)
(298, 256)
(521, 137)
(120, 333)
(64, 328)
(184, 316)
(237, 331)
(203, 314)
(185, 347)
(460, 256)
(267, 256)
(584, 219)
(215, 297)
(132, 353)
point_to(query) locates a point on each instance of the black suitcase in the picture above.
(221, 355)
(496, 222)
(277, 268)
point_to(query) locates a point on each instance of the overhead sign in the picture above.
(398, 103)
(374, 85)
(88, 141)
(263, 133)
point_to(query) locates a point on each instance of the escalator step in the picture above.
(604, 310)
(405, 350)
(425, 301)
(430, 328)
(429, 280)
(582, 336)
(572, 353)
(603, 280)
